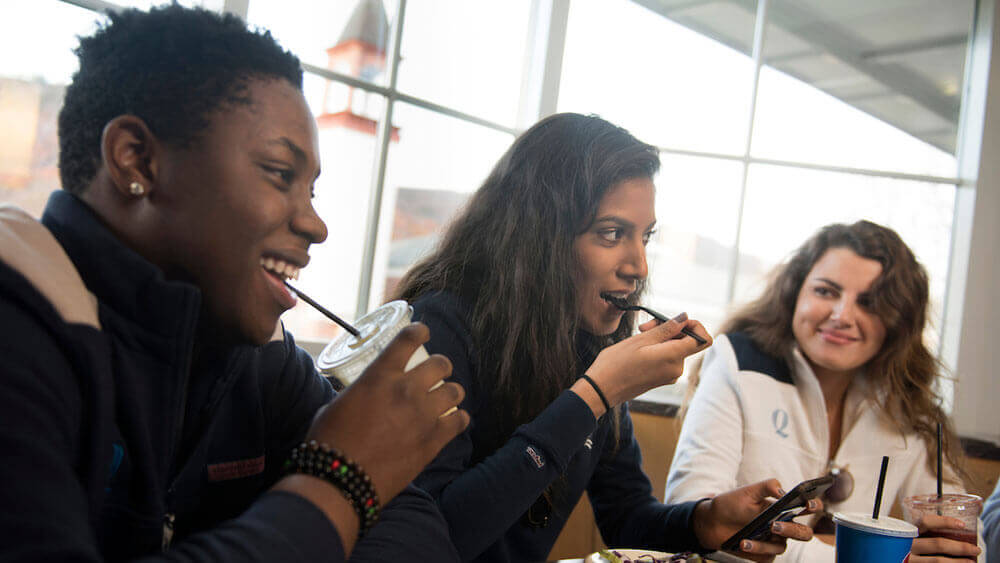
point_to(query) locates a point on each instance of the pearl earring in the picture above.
(137, 189)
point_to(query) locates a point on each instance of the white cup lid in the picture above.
(346, 356)
(884, 525)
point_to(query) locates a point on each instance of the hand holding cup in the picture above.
(388, 421)
(947, 525)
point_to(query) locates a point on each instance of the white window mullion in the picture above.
(760, 28)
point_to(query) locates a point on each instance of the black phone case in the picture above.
(796, 498)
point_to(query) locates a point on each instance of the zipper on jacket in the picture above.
(175, 463)
(168, 530)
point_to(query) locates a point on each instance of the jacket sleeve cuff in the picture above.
(301, 523)
(683, 519)
(561, 429)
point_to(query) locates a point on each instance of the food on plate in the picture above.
(643, 556)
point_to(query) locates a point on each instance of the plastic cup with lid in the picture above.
(954, 505)
(863, 539)
(347, 356)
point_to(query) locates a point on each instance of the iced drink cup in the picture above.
(863, 539)
(347, 356)
(963, 507)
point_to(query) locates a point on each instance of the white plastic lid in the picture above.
(347, 356)
(884, 525)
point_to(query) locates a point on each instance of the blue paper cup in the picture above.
(863, 539)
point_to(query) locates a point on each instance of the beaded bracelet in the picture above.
(332, 466)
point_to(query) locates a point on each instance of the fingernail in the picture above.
(813, 504)
(781, 492)
(745, 545)
(776, 527)
(680, 318)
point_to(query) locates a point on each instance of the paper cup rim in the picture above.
(884, 526)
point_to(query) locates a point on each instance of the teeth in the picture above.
(280, 267)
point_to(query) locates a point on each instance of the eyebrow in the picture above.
(287, 143)
(836, 285)
(620, 221)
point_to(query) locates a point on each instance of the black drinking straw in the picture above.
(347, 326)
(881, 485)
(939, 460)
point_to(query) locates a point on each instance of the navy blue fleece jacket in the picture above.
(484, 495)
(109, 437)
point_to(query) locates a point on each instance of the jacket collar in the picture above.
(856, 400)
(122, 280)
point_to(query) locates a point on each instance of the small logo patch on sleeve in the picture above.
(235, 469)
(535, 457)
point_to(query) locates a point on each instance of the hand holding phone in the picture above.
(784, 509)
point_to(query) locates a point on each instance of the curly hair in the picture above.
(510, 255)
(903, 371)
(171, 67)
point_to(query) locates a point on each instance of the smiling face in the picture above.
(233, 212)
(611, 254)
(833, 328)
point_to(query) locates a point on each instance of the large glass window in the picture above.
(858, 103)
(669, 84)
(690, 257)
(466, 55)
(431, 171)
(31, 94)
(346, 37)
(837, 111)
(864, 85)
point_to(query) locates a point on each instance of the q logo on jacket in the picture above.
(779, 418)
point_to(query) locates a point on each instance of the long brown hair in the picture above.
(903, 371)
(509, 255)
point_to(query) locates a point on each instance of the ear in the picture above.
(129, 150)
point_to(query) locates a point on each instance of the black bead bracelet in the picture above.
(333, 467)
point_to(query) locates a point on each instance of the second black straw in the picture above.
(881, 485)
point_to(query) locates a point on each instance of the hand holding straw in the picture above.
(881, 485)
(347, 326)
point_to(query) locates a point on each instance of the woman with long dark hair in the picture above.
(826, 372)
(513, 298)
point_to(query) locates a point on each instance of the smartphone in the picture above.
(784, 509)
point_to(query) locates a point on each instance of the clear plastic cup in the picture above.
(863, 539)
(347, 356)
(961, 506)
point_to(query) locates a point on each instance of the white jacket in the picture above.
(754, 417)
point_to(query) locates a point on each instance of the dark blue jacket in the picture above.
(484, 495)
(110, 437)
